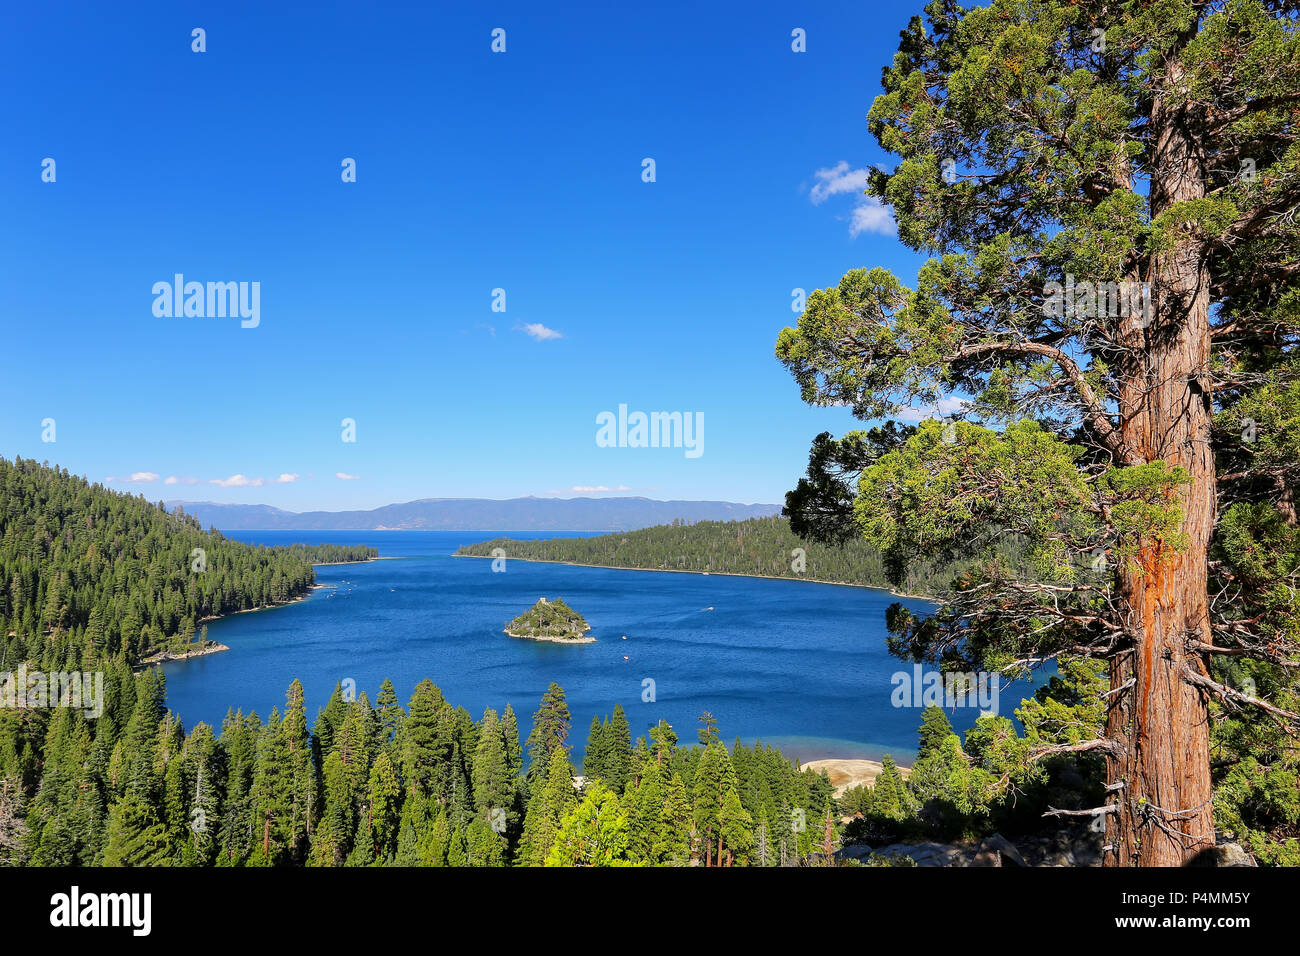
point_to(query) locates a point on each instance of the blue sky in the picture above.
(475, 171)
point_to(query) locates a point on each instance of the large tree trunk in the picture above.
(1159, 772)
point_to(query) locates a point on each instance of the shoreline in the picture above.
(292, 600)
(166, 657)
(729, 574)
(264, 607)
(845, 774)
(552, 640)
(335, 564)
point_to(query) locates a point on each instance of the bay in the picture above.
(799, 665)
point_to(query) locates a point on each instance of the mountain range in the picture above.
(476, 514)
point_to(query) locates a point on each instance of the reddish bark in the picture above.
(1159, 770)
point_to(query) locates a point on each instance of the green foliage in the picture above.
(593, 833)
(88, 574)
(758, 546)
(553, 619)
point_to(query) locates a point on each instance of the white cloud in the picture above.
(171, 480)
(344, 476)
(871, 215)
(287, 479)
(237, 481)
(835, 180)
(868, 214)
(587, 489)
(541, 332)
(138, 477)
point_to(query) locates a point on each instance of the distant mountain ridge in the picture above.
(477, 514)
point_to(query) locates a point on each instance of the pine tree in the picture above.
(272, 795)
(762, 846)
(494, 788)
(390, 712)
(332, 841)
(1101, 294)
(935, 729)
(135, 836)
(593, 833)
(384, 800)
(546, 808)
(663, 740)
(735, 830)
(301, 768)
(714, 779)
(510, 735)
(429, 743)
(329, 720)
(550, 731)
(891, 797)
(594, 758)
(618, 757)
(708, 732)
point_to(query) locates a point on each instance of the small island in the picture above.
(551, 621)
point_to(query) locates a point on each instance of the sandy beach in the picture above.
(847, 774)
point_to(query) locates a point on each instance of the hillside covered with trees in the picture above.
(761, 546)
(89, 575)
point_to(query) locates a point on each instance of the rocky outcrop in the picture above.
(1079, 847)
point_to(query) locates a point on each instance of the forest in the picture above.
(89, 575)
(380, 784)
(427, 784)
(761, 546)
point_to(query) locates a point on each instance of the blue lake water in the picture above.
(796, 664)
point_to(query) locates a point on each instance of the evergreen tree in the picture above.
(663, 740)
(735, 830)
(429, 744)
(618, 757)
(595, 756)
(1116, 300)
(550, 731)
(135, 836)
(384, 800)
(390, 712)
(714, 778)
(546, 809)
(935, 730)
(494, 788)
(510, 735)
(708, 732)
(593, 833)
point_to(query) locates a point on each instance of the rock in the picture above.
(1225, 854)
(854, 851)
(927, 854)
(997, 850)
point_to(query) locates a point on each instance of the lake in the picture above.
(799, 665)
